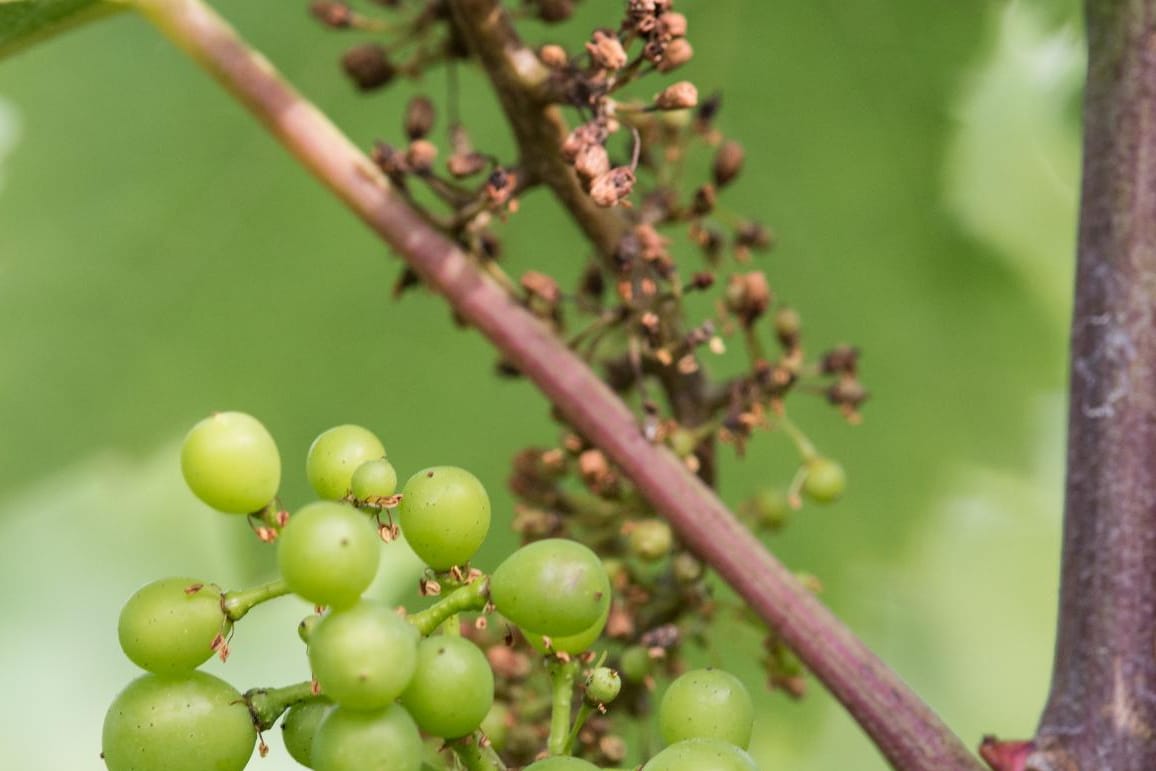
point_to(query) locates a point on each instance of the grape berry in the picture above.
(379, 678)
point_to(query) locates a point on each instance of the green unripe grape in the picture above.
(374, 479)
(363, 657)
(768, 508)
(603, 685)
(386, 739)
(230, 462)
(299, 726)
(707, 704)
(496, 725)
(306, 627)
(702, 755)
(191, 722)
(554, 587)
(571, 643)
(452, 688)
(825, 481)
(635, 663)
(444, 515)
(562, 763)
(328, 553)
(169, 626)
(650, 539)
(335, 455)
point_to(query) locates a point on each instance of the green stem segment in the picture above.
(584, 713)
(472, 596)
(562, 674)
(476, 754)
(236, 604)
(268, 704)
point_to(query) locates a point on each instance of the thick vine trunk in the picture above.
(1101, 713)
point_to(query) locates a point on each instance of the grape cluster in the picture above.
(388, 690)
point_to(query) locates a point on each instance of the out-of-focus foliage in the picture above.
(160, 257)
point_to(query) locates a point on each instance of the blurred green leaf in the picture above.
(23, 22)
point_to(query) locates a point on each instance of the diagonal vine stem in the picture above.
(906, 730)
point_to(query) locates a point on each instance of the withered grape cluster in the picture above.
(387, 689)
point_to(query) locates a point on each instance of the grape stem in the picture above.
(906, 730)
(268, 704)
(237, 603)
(472, 596)
(476, 754)
(562, 675)
(584, 712)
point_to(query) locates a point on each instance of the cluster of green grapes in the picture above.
(389, 690)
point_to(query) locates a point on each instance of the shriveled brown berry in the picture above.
(675, 54)
(748, 295)
(728, 162)
(553, 56)
(419, 117)
(606, 50)
(677, 96)
(332, 14)
(672, 24)
(421, 156)
(592, 161)
(368, 66)
(612, 188)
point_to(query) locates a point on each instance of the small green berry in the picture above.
(602, 685)
(825, 481)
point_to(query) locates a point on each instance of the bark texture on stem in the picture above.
(906, 730)
(1101, 713)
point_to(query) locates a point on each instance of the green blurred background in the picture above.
(161, 258)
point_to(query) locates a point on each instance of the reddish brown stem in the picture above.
(1101, 713)
(906, 730)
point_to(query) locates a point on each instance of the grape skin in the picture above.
(194, 722)
(335, 455)
(382, 740)
(701, 755)
(299, 726)
(329, 553)
(707, 703)
(230, 461)
(555, 587)
(445, 515)
(167, 629)
(363, 657)
(452, 689)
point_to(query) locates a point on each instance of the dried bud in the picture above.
(368, 65)
(389, 160)
(675, 54)
(421, 156)
(606, 50)
(554, 11)
(672, 25)
(541, 285)
(553, 56)
(419, 117)
(752, 235)
(332, 14)
(847, 392)
(501, 185)
(704, 200)
(592, 133)
(843, 359)
(680, 96)
(728, 162)
(592, 161)
(463, 165)
(788, 327)
(748, 295)
(612, 188)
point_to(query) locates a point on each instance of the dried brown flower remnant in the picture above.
(748, 295)
(591, 162)
(606, 50)
(728, 162)
(612, 188)
(675, 54)
(678, 96)
(332, 14)
(368, 66)
(419, 117)
(553, 56)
